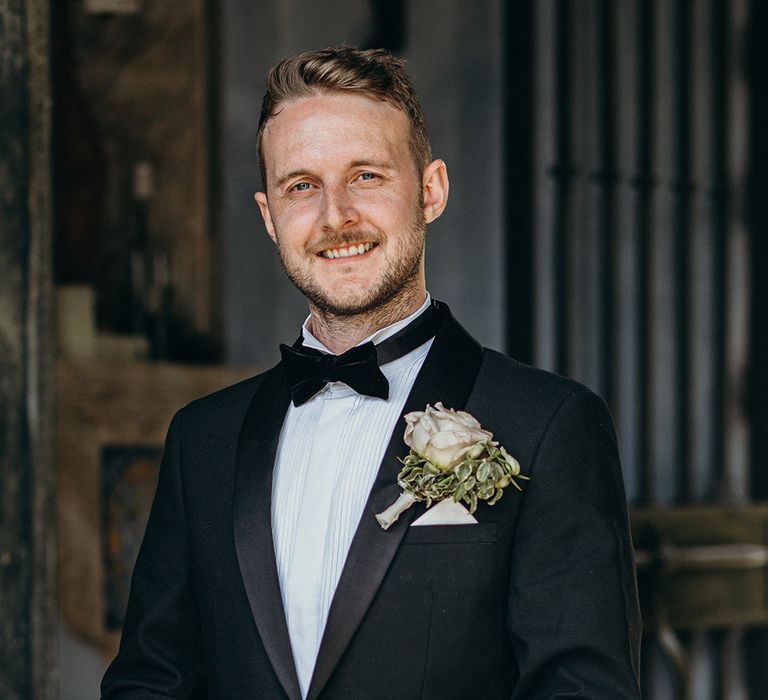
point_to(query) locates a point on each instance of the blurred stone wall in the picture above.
(27, 512)
(135, 88)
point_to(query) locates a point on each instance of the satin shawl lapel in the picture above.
(448, 375)
(256, 451)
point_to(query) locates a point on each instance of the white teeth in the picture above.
(359, 249)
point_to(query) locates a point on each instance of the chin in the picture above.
(354, 292)
(348, 303)
(346, 300)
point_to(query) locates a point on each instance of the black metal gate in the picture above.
(645, 281)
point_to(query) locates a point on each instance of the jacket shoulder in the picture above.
(521, 404)
(524, 381)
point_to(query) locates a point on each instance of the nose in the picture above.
(339, 211)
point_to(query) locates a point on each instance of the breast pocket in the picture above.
(451, 534)
(448, 557)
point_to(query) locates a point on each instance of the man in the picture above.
(264, 572)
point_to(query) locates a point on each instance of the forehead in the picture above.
(332, 128)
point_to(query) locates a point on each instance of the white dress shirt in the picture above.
(327, 459)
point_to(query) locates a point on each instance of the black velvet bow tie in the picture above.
(308, 370)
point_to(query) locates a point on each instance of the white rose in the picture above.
(445, 437)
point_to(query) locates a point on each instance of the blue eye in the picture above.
(368, 176)
(301, 186)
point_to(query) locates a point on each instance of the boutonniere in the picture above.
(451, 456)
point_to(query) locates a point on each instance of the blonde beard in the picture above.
(390, 293)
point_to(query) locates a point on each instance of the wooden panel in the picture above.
(689, 582)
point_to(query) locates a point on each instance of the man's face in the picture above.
(344, 203)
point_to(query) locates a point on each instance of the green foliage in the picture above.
(483, 478)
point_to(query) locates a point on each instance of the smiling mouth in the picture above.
(349, 251)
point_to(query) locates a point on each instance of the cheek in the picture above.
(294, 221)
(389, 216)
(386, 203)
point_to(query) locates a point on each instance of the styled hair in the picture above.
(374, 73)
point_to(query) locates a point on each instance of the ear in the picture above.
(434, 187)
(261, 200)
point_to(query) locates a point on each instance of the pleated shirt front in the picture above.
(328, 456)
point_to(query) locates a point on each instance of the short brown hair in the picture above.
(375, 73)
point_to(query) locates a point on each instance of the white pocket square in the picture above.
(446, 512)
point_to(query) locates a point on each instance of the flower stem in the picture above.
(404, 501)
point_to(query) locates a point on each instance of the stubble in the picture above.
(387, 300)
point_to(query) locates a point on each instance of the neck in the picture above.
(340, 333)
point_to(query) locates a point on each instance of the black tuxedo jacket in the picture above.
(537, 600)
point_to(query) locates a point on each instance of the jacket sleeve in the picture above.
(573, 610)
(160, 652)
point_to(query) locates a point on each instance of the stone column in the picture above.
(27, 506)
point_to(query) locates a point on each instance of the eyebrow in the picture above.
(290, 176)
(372, 162)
